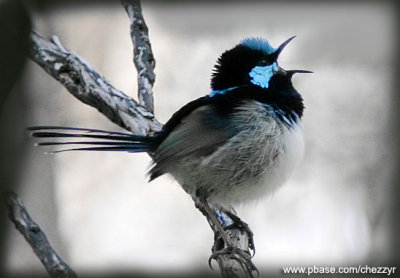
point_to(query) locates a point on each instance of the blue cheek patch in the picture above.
(261, 76)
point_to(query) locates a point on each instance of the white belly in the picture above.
(251, 165)
(271, 167)
(291, 155)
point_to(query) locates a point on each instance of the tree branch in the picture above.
(36, 238)
(142, 53)
(90, 87)
(86, 84)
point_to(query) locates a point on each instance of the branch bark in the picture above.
(90, 87)
(142, 54)
(36, 238)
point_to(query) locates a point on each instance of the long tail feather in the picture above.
(46, 134)
(35, 128)
(106, 143)
(105, 140)
(115, 149)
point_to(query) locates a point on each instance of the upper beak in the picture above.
(290, 73)
(280, 48)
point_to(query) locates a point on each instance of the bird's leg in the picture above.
(214, 220)
(222, 220)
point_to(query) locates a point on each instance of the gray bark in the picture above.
(36, 238)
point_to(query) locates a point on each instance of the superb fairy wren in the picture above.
(238, 143)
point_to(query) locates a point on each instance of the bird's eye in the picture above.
(262, 63)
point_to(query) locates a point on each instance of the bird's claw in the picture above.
(238, 223)
(242, 257)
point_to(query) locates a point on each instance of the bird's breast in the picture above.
(253, 162)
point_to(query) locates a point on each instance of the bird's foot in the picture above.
(229, 247)
(238, 223)
(237, 254)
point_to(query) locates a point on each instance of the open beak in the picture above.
(276, 55)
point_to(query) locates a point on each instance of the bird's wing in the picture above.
(198, 133)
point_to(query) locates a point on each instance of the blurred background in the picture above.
(100, 213)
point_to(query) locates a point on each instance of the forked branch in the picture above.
(90, 87)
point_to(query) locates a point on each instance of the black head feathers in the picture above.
(233, 67)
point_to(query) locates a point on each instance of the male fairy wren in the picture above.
(238, 143)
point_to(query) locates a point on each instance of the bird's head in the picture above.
(252, 62)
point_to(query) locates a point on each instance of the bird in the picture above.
(238, 143)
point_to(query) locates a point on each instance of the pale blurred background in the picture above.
(98, 209)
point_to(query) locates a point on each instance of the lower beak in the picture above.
(292, 72)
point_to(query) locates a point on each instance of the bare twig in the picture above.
(86, 84)
(142, 53)
(36, 238)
